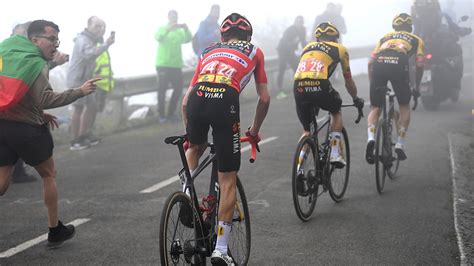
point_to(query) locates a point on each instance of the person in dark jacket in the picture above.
(293, 37)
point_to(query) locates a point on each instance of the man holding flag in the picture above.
(24, 128)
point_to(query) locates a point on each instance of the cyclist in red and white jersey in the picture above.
(212, 100)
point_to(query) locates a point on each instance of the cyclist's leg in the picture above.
(303, 106)
(401, 86)
(227, 189)
(332, 102)
(377, 99)
(196, 128)
(193, 154)
(226, 135)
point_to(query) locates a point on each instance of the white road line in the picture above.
(41, 238)
(160, 185)
(175, 178)
(455, 204)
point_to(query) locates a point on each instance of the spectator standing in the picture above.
(333, 14)
(208, 31)
(82, 66)
(103, 70)
(293, 36)
(169, 64)
(24, 127)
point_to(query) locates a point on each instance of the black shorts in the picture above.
(216, 106)
(311, 93)
(390, 66)
(33, 144)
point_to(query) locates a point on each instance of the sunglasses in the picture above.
(228, 22)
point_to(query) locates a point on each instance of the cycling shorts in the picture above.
(390, 66)
(216, 106)
(32, 143)
(310, 93)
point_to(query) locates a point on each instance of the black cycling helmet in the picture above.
(403, 22)
(326, 30)
(237, 26)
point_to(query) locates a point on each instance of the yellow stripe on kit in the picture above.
(220, 231)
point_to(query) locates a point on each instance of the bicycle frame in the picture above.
(323, 155)
(391, 104)
(204, 233)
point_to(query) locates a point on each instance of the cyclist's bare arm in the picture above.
(370, 66)
(418, 75)
(262, 108)
(183, 106)
(351, 87)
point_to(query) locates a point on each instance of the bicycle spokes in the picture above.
(241, 216)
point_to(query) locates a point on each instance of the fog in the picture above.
(136, 22)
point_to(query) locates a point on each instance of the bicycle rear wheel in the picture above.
(338, 178)
(379, 157)
(393, 135)
(177, 232)
(304, 178)
(239, 242)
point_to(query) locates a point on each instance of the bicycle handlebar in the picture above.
(359, 110)
(254, 146)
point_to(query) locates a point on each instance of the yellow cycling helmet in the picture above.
(326, 30)
(402, 21)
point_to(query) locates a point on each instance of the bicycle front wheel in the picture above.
(338, 178)
(177, 235)
(239, 242)
(380, 157)
(305, 183)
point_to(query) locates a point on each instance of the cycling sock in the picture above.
(401, 135)
(371, 133)
(335, 142)
(223, 233)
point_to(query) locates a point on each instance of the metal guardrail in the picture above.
(127, 87)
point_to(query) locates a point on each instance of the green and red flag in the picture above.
(21, 62)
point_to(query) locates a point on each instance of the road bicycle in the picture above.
(386, 163)
(188, 228)
(312, 170)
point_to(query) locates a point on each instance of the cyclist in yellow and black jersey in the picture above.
(389, 62)
(313, 88)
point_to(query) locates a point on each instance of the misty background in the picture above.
(136, 22)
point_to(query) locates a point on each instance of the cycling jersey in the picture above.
(402, 42)
(222, 72)
(319, 60)
(312, 87)
(230, 64)
(391, 64)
